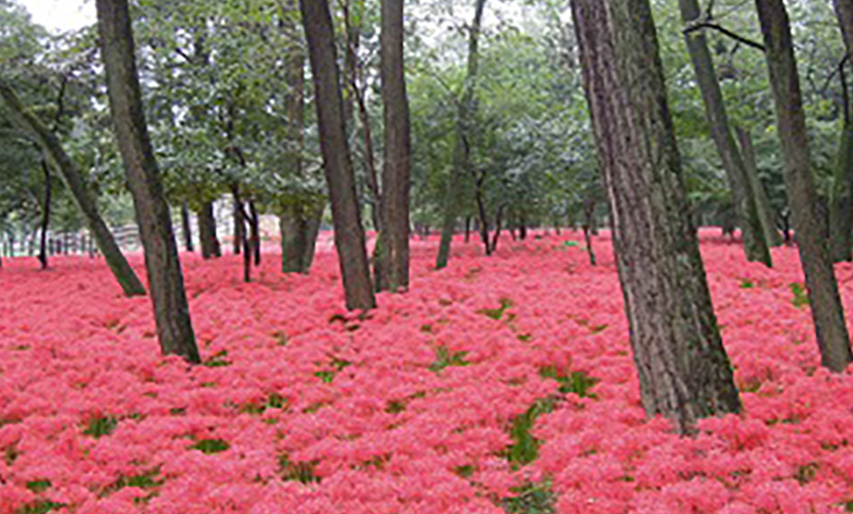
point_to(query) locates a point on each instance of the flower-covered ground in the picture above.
(500, 384)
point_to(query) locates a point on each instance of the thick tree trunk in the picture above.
(207, 232)
(755, 246)
(810, 228)
(315, 219)
(349, 234)
(395, 175)
(765, 210)
(684, 371)
(294, 240)
(45, 220)
(83, 197)
(185, 227)
(844, 10)
(166, 281)
(462, 150)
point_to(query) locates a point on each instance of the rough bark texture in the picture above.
(165, 279)
(765, 210)
(841, 208)
(349, 234)
(207, 232)
(185, 227)
(83, 197)
(683, 368)
(809, 226)
(395, 175)
(755, 246)
(462, 150)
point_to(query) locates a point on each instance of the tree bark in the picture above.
(810, 228)
(349, 234)
(755, 246)
(166, 281)
(841, 207)
(765, 210)
(207, 232)
(466, 109)
(45, 221)
(237, 244)
(83, 197)
(255, 231)
(844, 10)
(684, 371)
(395, 174)
(186, 228)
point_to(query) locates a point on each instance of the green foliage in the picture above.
(576, 382)
(801, 296)
(209, 446)
(40, 507)
(100, 427)
(497, 313)
(531, 499)
(525, 447)
(444, 358)
(218, 360)
(38, 486)
(302, 472)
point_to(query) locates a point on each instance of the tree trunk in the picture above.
(499, 218)
(462, 150)
(467, 228)
(684, 371)
(349, 234)
(844, 10)
(255, 231)
(395, 175)
(166, 281)
(238, 225)
(315, 219)
(841, 210)
(755, 246)
(83, 197)
(185, 227)
(294, 240)
(45, 221)
(588, 224)
(207, 232)
(765, 210)
(810, 228)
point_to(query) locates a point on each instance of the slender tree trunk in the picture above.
(210, 246)
(185, 227)
(238, 225)
(684, 371)
(755, 246)
(810, 228)
(171, 311)
(45, 221)
(315, 219)
(466, 109)
(765, 210)
(467, 228)
(499, 219)
(395, 175)
(588, 224)
(255, 231)
(83, 197)
(349, 234)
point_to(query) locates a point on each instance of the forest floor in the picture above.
(501, 384)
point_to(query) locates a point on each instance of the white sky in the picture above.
(61, 15)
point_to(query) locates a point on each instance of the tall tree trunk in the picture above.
(186, 228)
(313, 222)
(684, 371)
(395, 175)
(207, 232)
(349, 233)
(238, 225)
(844, 10)
(255, 231)
(810, 228)
(588, 225)
(755, 246)
(83, 197)
(45, 220)
(466, 109)
(293, 239)
(765, 210)
(165, 279)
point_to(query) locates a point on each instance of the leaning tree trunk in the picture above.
(349, 233)
(462, 150)
(755, 246)
(83, 197)
(165, 279)
(207, 232)
(186, 228)
(765, 210)
(395, 175)
(684, 371)
(809, 227)
(844, 10)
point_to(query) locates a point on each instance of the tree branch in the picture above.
(693, 27)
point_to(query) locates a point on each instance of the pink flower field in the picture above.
(501, 384)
